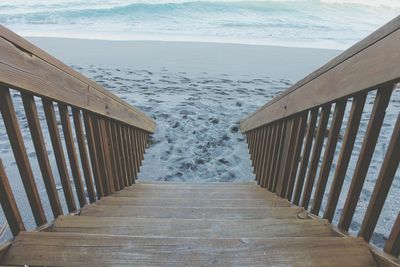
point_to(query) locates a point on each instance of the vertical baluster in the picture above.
(59, 153)
(305, 156)
(137, 158)
(257, 149)
(8, 204)
(281, 153)
(83, 154)
(134, 152)
(329, 154)
(260, 152)
(296, 154)
(345, 154)
(364, 159)
(121, 147)
(41, 153)
(73, 160)
(316, 154)
(265, 154)
(267, 175)
(126, 159)
(393, 243)
(275, 156)
(131, 156)
(382, 186)
(288, 155)
(106, 155)
(112, 155)
(117, 153)
(97, 134)
(21, 157)
(94, 159)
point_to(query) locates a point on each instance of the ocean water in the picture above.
(301, 23)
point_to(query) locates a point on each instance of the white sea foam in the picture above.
(302, 23)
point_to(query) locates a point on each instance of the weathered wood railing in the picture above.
(286, 135)
(111, 135)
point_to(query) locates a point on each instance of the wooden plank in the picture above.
(296, 155)
(192, 212)
(113, 155)
(365, 156)
(73, 159)
(21, 157)
(266, 172)
(127, 156)
(393, 243)
(83, 154)
(201, 228)
(33, 70)
(287, 155)
(261, 153)
(10, 208)
(93, 153)
(273, 162)
(77, 249)
(281, 148)
(369, 68)
(193, 194)
(345, 154)
(103, 175)
(105, 141)
(41, 153)
(330, 149)
(305, 157)
(194, 202)
(59, 153)
(131, 155)
(382, 185)
(118, 163)
(316, 154)
(137, 156)
(265, 155)
(123, 156)
(224, 187)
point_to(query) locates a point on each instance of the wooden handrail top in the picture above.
(26, 67)
(372, 62)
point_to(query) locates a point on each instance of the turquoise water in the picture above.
(323, 24)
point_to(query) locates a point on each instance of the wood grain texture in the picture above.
(7, 200)
(369, 68)
(21, 157)
(41, 153)
(78, 249)
(26, 67)
(190, 212)
(200, 228)
(59, 153)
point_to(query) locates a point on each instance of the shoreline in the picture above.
(275, 62)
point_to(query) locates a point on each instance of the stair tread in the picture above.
(192, 202)
(47, 248)
(191, 212)
(193, 227)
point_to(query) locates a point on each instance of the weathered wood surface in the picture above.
(93, 250)
(26, 67)
(202, 228)
(366, 63)
(193, 202)
(180, 230)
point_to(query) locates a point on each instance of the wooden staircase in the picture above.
(182, 224)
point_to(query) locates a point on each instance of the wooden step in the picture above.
(191, 202)
(193, 227)
(196, 194)
(191, 213)
(46, 248)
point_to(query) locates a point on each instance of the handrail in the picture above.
(105, 138)
(367, 67)
(286, 136)
(27, 67)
